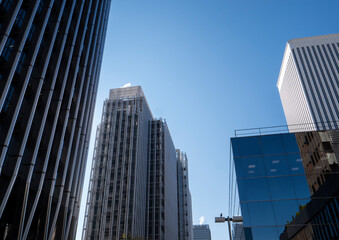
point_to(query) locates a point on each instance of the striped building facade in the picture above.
(133, 183)
(116, 202)
(50, 59)
(309, 83)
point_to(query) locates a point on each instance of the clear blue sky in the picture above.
(208, 67)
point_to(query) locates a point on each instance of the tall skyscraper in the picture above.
(309, 83)
(184, 198)
(117, 192)
(133, 186)
(50, 59)
(201, 232)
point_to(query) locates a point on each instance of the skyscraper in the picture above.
(133, 185)
(184, 198)
(116, 202)
(50, 59)
(309, 83)
(201, 232)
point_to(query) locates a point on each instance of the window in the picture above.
(20, 63)
(6, 5)
(31, 32)
(20, 18)
(8, 48)
(8, 99)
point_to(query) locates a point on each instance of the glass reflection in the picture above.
(288, 185)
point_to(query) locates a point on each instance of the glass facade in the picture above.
(50, 60)
(275, 178)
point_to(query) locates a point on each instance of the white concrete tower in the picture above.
(309, 83)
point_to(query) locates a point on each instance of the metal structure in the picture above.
(50, 59)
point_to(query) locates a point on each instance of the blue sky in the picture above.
(208, 67)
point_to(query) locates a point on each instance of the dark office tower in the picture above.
(116, 205)
(50, 58)
(184, 198)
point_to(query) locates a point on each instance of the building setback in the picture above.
(309, 83)
(50, 58)
(133, 185)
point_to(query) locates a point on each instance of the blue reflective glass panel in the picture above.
(290, 143)
(255, 189)
(295, 164)
(276, 165)
(261, 214)
(301, 187)
(249, 167)
(281, 188)
(265, 233)
(271, 144)
(247, 146)
(284, 210)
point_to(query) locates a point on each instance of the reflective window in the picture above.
(8, 48)
(20, 18)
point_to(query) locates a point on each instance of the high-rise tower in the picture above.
(50, 59)
(116, 203)
(309, 83)
(133, 186)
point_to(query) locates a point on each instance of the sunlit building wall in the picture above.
(50, 59)
(308, 83)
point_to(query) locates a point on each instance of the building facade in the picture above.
(50, 59)
(308, 83)
(162, 209)
(287, 185)
(133, 183)
(184, 198)
(116, 204)
(201, 232)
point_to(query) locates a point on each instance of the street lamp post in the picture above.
(222, 219)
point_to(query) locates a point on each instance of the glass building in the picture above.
(279, 198)
(50, 59)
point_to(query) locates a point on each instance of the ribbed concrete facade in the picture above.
(162, 185)
(50, 62)
(133, 185)
(309, 83)
(116, 205)
(184, 198)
